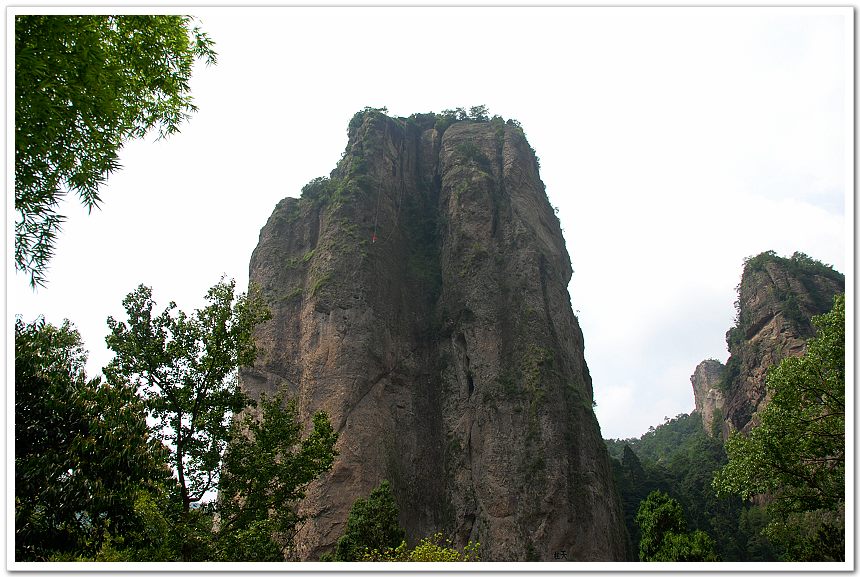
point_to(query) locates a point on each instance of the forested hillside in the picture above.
(679, 459)
(773, 490)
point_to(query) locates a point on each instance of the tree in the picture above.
(186, 369)
(664, 532)
(266, 471)
(371, 526)
(796, 455)
(83, 453)
(84, 85)
(479, 113)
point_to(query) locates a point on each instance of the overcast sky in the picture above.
(675, 142)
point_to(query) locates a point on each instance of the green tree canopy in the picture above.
(83, 453)
(371, 526)
(186, 369)
(84, 85)
(266, 471)
(796, 455)
(664, 532)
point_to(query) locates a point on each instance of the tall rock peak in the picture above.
(419, 297)
(777, 298)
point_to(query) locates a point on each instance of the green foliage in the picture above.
(679, 459)
(294, 294)
(161, 532)
(84, 85)
(796, 455)
(695, 546)
(434, 549)
(151, 538)
(817, 535)
(422, 120)
(319, 283)
(479, 113)
(83, 453)
(358, 118)
(266, 471)
(733, 365)
(660, 444)
(798, 263)
(664, 532)
(186, 369)
(318, 191)
(658, 514)
(751, 525)
(443, 121)
(92, 479)
(323, 192)
(471, 152)
(371, 526)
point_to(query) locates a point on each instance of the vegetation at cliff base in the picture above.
(84, 456)
(95, 481)
(776, 494)
(186, 369)
(371, 526)
(266, 466)
(84, 85)
(678, 459)
(664, 532)
(434, 549)
(373, 533)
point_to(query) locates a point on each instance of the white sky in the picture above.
(674, 141)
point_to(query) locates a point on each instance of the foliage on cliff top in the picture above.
(798, 263)
(800, 266)
(425, 120)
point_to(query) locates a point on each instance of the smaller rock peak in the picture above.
(707, 382)
(795, 289)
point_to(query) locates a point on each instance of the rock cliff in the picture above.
(777, 298)
(706, 380)
(419, 297)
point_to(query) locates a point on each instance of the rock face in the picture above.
(419, 297)
(709, 398)
(777, 298)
